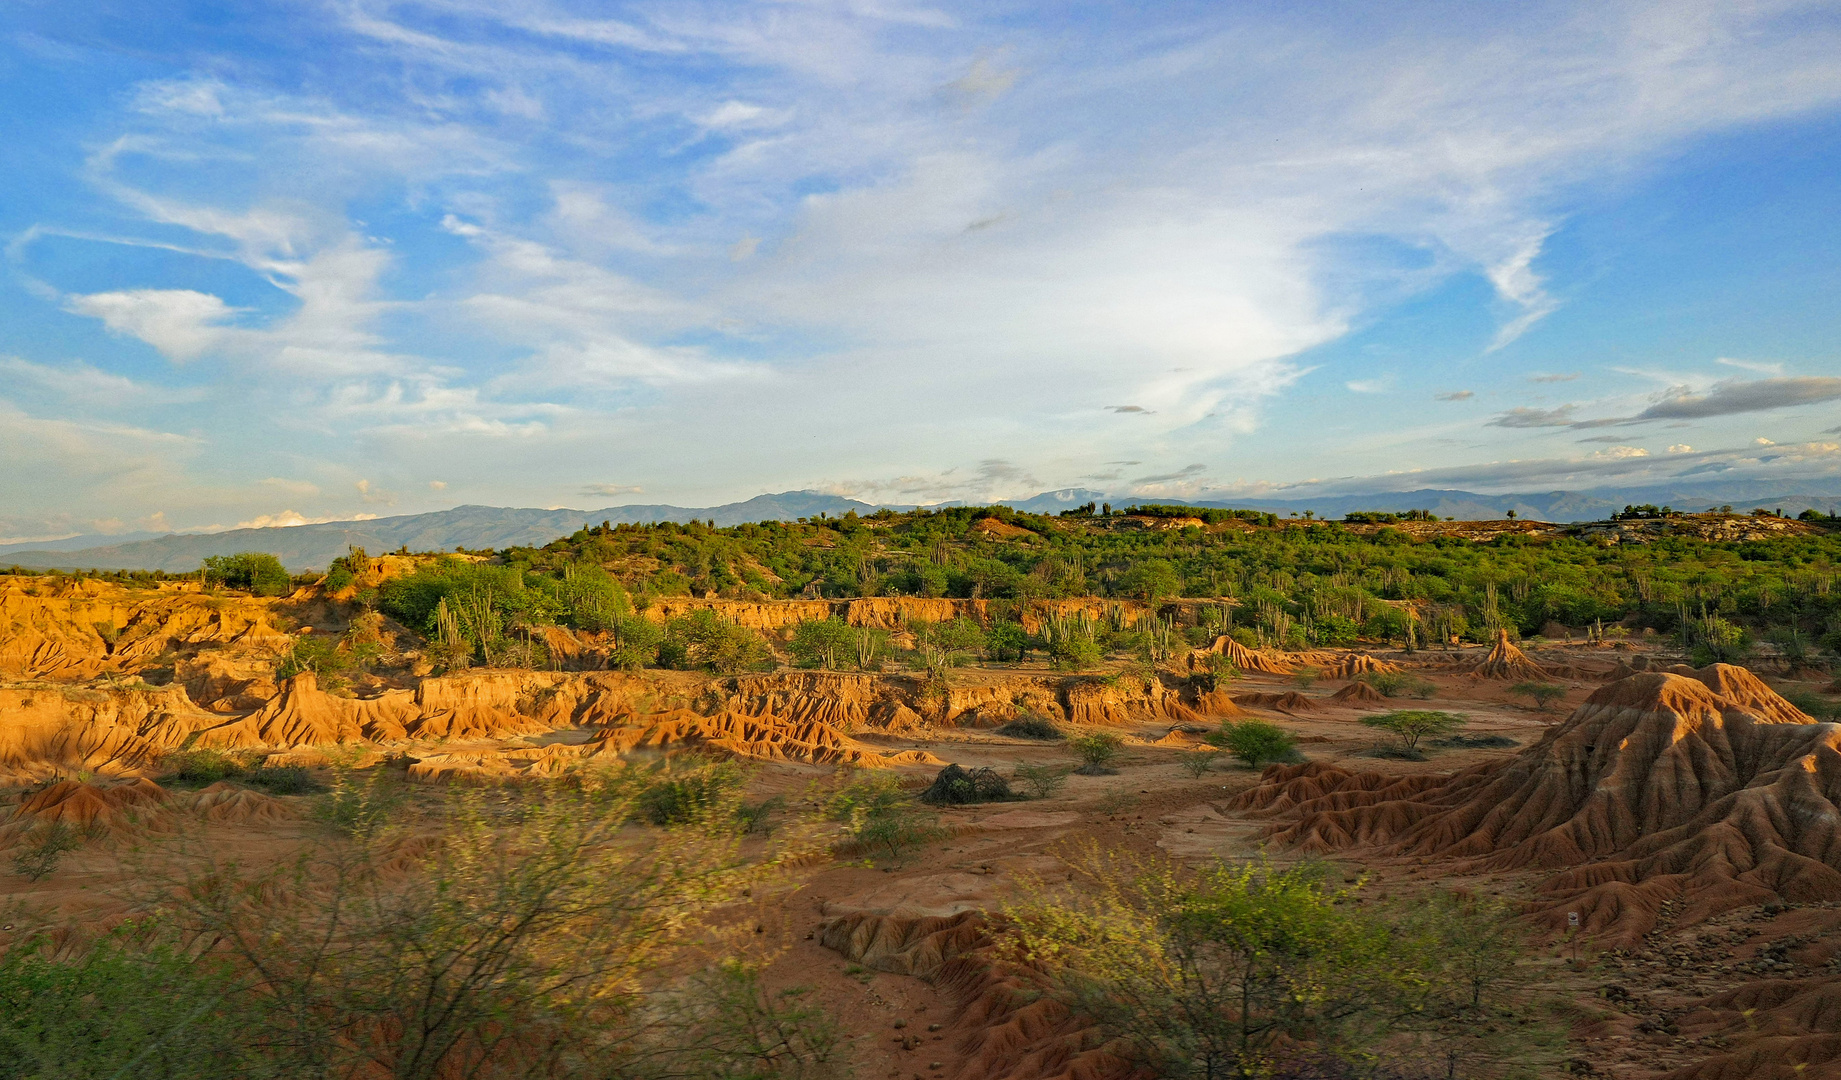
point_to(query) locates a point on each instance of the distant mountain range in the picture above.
(311, 547)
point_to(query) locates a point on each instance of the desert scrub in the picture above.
(1031, 727)
(1097, 751)
(1196, 763)
(1043, 781)
(880, 818)
(1152, 952)
(202, 766)
(684, 797)
(44, 848)
(955, 786)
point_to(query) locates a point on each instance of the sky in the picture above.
(296, 261)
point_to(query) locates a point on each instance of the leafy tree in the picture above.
(1542, 694)
(704, 639)
(824, 643)
(253, 571)
(1007, 641)
(1151, 579)
(1411, 725)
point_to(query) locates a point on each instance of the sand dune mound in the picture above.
(90, 805)
(229, 804)
(1248, 659)
(1288, 702)
(1357, 694)
(757, 738)
(1709, 789)
(1356, 664)
(1785, 1029)
(1507, 661)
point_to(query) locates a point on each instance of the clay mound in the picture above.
(1216, 703)
(232, 805)
(1248, 659)
(1657, 788)
(757, 738)
(1005, 1026)
(1288, 702)
(304, 715)
(1357, 694)
(1780, 1028)
(52, 732)
(1507, 661)
(1354, 664)
(88, 805)
(478, 767)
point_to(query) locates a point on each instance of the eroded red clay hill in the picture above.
(1707, 788)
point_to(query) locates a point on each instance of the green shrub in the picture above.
(704, 639)
(686, 798)
(1254, 742)
(1542, 694)
(1096, 750)
(125, 1009)
(1077, 653)
(879, 817)
(1044, 781)
(1007, 641)
(201, 766)
(1197, 762)
(282, 780)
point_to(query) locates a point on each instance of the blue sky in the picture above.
(309, 261)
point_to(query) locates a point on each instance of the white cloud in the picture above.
(1621, 452)
(289, 518)
(959, 233)
(181, 323)
(1369, 386)
(1680, 448)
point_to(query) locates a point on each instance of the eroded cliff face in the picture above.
(76, 653)
(74, 630)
